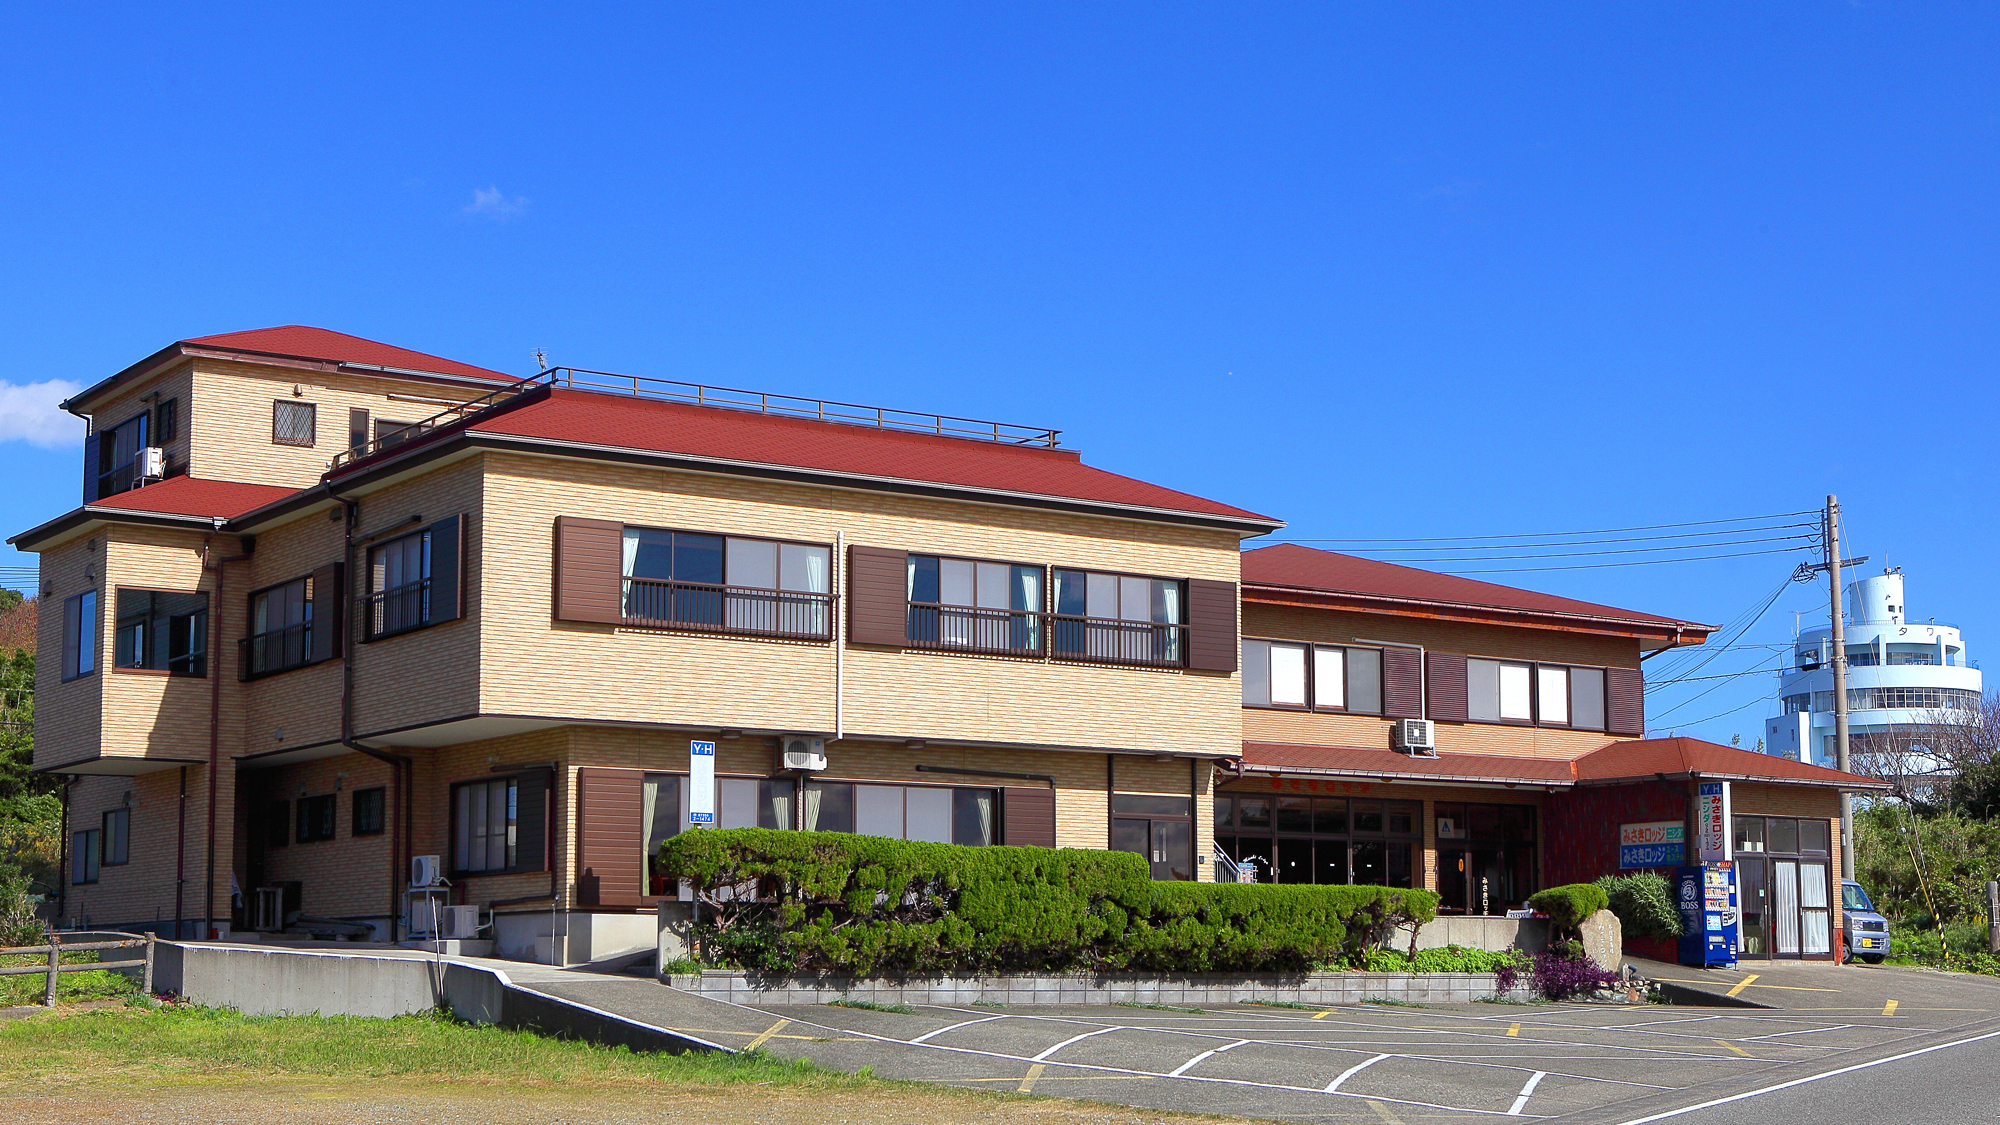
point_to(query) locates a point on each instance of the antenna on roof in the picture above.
(542, 359)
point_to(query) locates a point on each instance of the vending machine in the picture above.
(1709, 914)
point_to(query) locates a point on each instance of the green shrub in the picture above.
(791, 902)
(1569, 905)
(1644, 903)
(1448, 959)
(1250, 927)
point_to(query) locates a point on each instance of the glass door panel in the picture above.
(1815, 911)
(1785, 907)
(1451, 880)
(1753, 934)
(1295, 861)
(1173, 849)
(1330, 858)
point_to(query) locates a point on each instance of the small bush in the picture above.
(1449, 959)
(1644, 903)
(1569, 905)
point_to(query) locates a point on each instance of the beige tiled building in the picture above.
(330, 606)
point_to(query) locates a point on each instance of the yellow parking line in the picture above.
(1889, 1009)
(768, 1032)
(1741, 985)
(1324, 1014)
(1734, 1047)
(1513, 1030)
(1382, 1111)
(1028, 1082)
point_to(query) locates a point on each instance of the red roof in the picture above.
(749, 438)
(1649, 757)
(1300, 567)
(1358, 762)
(302, 342)
(191, 496)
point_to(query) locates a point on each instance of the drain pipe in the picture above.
(402, 771)
(221, 569)
(180, 847)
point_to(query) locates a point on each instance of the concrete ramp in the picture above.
(263, 981)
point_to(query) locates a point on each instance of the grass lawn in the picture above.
(113, 1062)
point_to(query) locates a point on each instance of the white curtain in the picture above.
(631, 554)
(811, 798)
(984, 798)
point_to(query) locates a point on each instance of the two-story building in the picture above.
(516, 624)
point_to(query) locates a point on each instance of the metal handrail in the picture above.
(410, 604)
(1105, 640)
(1049, 636)
(712, 608)
(404, 434)
(247, 646)
(794, 406)
(1005, 632)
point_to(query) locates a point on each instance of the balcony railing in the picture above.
(399, 608)
(749, 610)
(1054, 636)
(276, 650)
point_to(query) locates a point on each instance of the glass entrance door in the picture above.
(1815, 910)
(1785, 907)
(1753, 934)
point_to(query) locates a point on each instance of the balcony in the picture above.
(740, 610)
(1047, 636)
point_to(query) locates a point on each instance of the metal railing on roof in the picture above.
(793, 406)
(701, 394)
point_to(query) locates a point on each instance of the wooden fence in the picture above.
(56, 948)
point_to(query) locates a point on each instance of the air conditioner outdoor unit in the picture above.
(1415, 737)
(458, 923)
(797, 752)
(426, 871)
(152, 462)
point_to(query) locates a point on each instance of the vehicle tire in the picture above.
(1873, 958)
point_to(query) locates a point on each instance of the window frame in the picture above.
(86, 856)
(166, 426)
(1183, 630)
(167, 622)
(1037, 617)
(1312, 693)
(512, 829)
(1270, 704)
(312, 411)
(121, 817)
(108, 468)
(819, 604)
(314, 826)
(381, 811)
(307, 598)
(375, 599)
(80, 638)
(1230, 830)
(1535, 718)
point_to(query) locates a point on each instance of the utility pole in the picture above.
(1839, 684)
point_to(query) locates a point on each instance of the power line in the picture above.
(1551, 534)
(1731, 711)
(1553, 543)
(1635, 562)
(1620, 551)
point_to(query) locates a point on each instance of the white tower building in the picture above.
(1899, 675)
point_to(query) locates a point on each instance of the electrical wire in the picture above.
(1813, 528)
(1550, 534)
(1625, 550)
(1726, 714)
(1635, 562)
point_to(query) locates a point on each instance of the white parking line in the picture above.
(1189, 1065)
(925, 1037)
(1333, 1087)
(1533, 1081)
(1075, 1039)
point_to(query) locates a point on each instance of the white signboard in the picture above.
(701, 784)
(1712, 821)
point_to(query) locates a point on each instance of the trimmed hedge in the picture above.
(1568, 906)
(793, 902)
(1644, 903)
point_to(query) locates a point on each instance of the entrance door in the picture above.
(1815, 910)
(1754, 931)
(1168, 845)
(1488, 890)
(1451, 881)
(1785, 907)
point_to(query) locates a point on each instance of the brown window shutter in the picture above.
(590, 570)
(1445, 693)
(447, 570)
(90, 468)
(1028, 816)
(329, 604)
(610, 840)
(531, 820)
(1402, 683)
(1212, 644)
(878, 596)
(1625, 701)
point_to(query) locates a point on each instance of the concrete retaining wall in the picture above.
(1091, 988)
(285, 982)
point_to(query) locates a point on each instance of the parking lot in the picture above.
(1371, 1062)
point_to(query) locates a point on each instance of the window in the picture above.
(1497, 691)
(316, 815)
(1854, 899)
(399, 580)
(484, 823)
(277, 824)
(85, 855)
(1120, 618)
(726, 583)
(973, 605)
(294, 423)
(166, 421)
(368, 805)
(903, 812)
(117, 837)
(162, 631)
(80, 635)
(1486, 857)
(281, 628)
(1301, 839)
(118, 456)
(1506, 691)
(1275, 674)
(1586, 698)
(357, 428)
(389, 435)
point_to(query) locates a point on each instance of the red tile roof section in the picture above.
(1379, 763)
(191, 496)
(1652, 756)
(304, 342)
(1294, 565)
(805, 443)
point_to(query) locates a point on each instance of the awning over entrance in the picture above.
(1648, 759)
(1349, 761)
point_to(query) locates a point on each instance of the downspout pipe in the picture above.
(402, 769)
(215, 648)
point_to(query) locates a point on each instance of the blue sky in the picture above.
(1385, 271)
